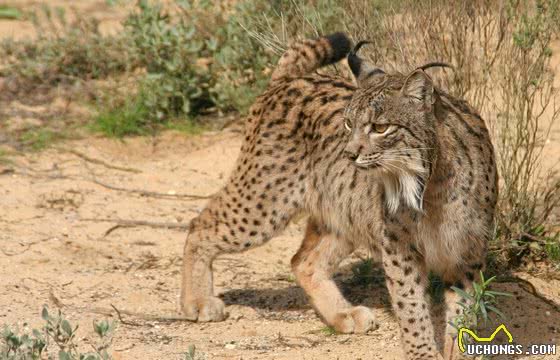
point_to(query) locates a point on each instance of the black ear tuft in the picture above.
(354, 61)
(340, 46)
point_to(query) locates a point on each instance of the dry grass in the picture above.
(501, 53)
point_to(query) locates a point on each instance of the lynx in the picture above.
(394, 164)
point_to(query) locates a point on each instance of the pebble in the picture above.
(236, 317)
(230, 346)
(344, 340)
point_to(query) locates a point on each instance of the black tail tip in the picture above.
(340, 44)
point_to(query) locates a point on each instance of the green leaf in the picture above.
(7, 332)
(483, 311)
(66, 327)
(45, 313)
(63, 355)
(192, 350)
(496, 311)
(477, 288)
(499, 293)
(10, 13)
(487, 282)
(462, 293)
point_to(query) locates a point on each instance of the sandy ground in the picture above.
(57, 249)
(52, 252)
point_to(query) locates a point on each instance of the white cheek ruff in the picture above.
(406, 187)
(391, 194)
(411, 191)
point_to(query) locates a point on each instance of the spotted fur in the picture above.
(292, 161)
(433, 155)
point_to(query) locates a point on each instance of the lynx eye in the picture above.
(380, 128)
(348, 124)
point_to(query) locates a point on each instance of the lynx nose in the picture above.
(350, 155)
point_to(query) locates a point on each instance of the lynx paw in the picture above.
(358, 319)
(209, 309)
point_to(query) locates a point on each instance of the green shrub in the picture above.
(478, 303)
(169, 47)
(198, 59)
(57, 336)
(63, 52)
(127, 119)
(38, 139)
(198, 56)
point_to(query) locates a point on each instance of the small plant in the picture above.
(21, 346)
(56, 336)
(128, 119)
(4, 157)
(552, 248)
(9, 12)
(478, 303)
(328, 330)
(38, 139)
(192, 354)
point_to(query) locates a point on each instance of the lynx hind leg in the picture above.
(318, 257)
(257, 203)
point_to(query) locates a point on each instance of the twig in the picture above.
(125, 348)
(132, 223)
(57, 302)
(27, 247)
(97, 161)
(147, 317)
(123, 321)
(150, 193)
(117, 188)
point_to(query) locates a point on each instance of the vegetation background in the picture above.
(194, 67)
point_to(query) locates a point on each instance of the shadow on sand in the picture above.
(529, 319)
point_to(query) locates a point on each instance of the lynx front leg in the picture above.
(407, 281)
(450, 347)
(462, 279)
(313, 265)
(197, 298)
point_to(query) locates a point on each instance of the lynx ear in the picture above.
(365, 73)
(419, 87)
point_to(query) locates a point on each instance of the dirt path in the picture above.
(50, 255)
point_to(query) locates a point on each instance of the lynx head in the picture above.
(391, 126)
